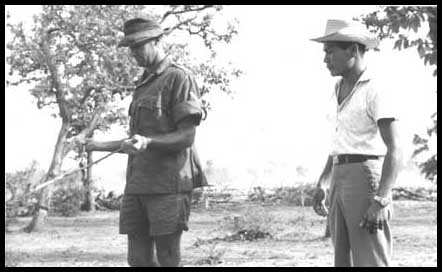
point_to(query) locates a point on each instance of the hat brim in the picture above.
(131, 42)
(140, 37)
(369, 42)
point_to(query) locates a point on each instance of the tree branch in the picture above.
(18, 82)
(41, 104)
(170, 29)
(173, 12)
(52, 30)
(86, 132)
(55, 80)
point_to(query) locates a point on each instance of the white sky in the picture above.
(279, 113)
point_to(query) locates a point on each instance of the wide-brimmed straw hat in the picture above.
(139, 30)
(346, 31)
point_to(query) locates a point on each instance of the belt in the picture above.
(353, 158)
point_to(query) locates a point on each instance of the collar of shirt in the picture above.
(148, 74)
(160, 67)
(366, 76)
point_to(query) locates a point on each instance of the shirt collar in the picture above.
(366, 75)
(160, 67)
(148, 74)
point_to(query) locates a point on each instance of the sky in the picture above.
(279, 117)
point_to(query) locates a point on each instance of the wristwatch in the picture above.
(383, 201)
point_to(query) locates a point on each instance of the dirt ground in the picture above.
(92, 239)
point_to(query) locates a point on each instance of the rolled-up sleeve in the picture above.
(186, 100)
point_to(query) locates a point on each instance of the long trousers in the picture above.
(353, 185)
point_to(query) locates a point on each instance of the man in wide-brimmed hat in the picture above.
(163, 165)
(365, 156)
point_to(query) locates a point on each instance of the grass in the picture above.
(92, 239)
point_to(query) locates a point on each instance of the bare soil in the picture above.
(297, 238)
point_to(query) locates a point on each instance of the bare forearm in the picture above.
(109, 146)
(390, 170)
(173, 142)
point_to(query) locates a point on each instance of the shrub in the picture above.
(67, 198)
(254, 222)
(214, 255)
(301, 195)
(19, 201)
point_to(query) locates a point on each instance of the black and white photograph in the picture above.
(220, 136)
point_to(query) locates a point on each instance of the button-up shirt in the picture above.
(162, 98)
(356, 130)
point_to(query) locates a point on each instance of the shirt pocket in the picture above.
(150, 117)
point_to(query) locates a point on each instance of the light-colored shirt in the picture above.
(356, 129)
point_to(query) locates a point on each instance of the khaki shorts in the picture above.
(155, 214)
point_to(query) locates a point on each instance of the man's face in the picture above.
(144, 53)
(338, 60)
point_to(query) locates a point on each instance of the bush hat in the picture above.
(139, 30)
(346, 31)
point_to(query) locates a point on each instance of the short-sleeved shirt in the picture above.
(162, 98)
(356, 129)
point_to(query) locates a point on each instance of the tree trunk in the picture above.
(39, 218)
(60, 151)
(89, 201)
(43, 196)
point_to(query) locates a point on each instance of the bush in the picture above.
(67, 198)
(256, 223)
(254, 218)
(301, 195)
(19, 201)
(110, 202)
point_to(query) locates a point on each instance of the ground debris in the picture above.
(417, 194)
(247, 235)
(241, 235)
(109, 202)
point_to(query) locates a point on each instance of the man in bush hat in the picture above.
(163, 166)
(365, 156)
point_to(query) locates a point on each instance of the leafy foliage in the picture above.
(388, 22)
(301, 195)
(19, 201)
(70, 56)
(67, 198)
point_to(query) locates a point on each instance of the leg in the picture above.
(367, 249)
(168, 249)
(336, 222)
(340, 237)
(373, 250)
(140, 251)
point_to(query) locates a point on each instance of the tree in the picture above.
(71, 56)
(390, 22)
